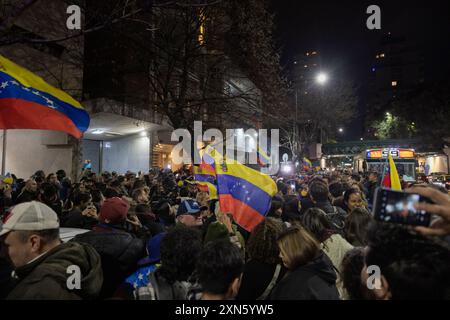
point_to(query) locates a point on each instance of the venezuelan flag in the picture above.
(244, 192)
(263, 158)
(205, 176)
(28, 102)
(391, 178)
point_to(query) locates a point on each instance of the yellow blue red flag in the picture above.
(244, 192)
(28, 102)
(391, 178)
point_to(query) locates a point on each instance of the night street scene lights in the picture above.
(322, 78)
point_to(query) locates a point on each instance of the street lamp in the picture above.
(341, 130)
(322, 78)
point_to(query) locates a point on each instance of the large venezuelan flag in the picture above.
(28, 102)
(243, 192)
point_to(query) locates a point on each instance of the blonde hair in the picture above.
(298, 247)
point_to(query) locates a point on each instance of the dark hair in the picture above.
(262, 245)
(219, 264)
(96, 195)
(179, 251)
(184, 192)
(39, 173)
(347, 195)
(142, 208)
(138, 184)
(282, 187)
(274, 206)
(356, 225)
(351, 267)
(336, 189)
(66, 182)
(356, 177)
(81, 197)
(111, 193)
(137, 193)
(291, 205)
(316, 221)
(48, 235)
(318, 191)
(49, 193)
(415, 266)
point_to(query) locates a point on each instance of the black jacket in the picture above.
(74, 219)
(256, 278)
(26, 196)
(119, 251)
(314, 281)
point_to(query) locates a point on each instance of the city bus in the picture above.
(376, 160)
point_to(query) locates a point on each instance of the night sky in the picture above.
(337, 29)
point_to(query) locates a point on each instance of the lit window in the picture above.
(314, 53)
(394, 83)
(382, 55)
(377, 56)
(307, 53)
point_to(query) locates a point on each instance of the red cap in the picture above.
(114, 210)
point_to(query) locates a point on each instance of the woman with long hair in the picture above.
(311, 275)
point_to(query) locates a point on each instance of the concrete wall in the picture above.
(29, 150)
(129, 153)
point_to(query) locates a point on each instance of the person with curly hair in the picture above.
(264, 268)
(180, 249)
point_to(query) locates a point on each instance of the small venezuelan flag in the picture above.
(28, 102)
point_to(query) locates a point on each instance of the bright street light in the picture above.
(341, 130)
(322, 78)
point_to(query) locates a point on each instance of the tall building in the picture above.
(397, 67)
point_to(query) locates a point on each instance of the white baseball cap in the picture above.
(30, 216)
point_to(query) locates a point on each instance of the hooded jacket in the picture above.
(47, 278)
(313, 281)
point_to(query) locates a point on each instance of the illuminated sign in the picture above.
(395, 153)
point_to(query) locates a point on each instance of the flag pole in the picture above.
(4, 152)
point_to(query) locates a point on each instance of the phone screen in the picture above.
(398, 207)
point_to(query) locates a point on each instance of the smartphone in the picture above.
(398, 207)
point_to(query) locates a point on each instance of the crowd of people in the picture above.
(156, 236)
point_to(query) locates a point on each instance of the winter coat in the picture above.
(46, 278)
(256, 278)
(119, 251)
(74, 219)
(313, 281)
(26, 196)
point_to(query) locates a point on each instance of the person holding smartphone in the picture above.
(440, 207)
